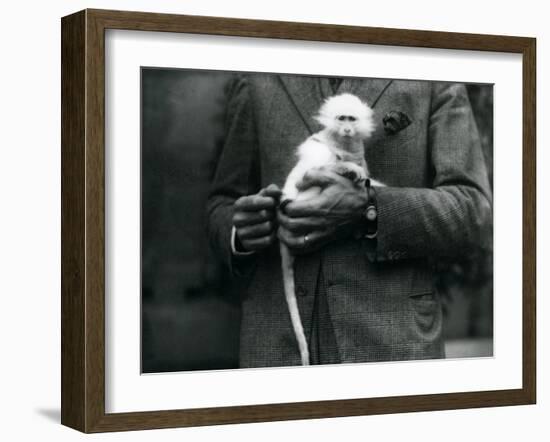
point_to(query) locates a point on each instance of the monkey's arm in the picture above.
(454, 216)
(237, 175)
(349, 170)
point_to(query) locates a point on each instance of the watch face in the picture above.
(371, 213)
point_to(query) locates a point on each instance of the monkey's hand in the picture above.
(349, 170)
(330, 215)
(254, 219)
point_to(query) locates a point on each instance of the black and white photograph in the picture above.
(270, 221)
(296, 220)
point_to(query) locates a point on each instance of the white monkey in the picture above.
(338, 147)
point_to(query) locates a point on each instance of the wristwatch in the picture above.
(371, 212)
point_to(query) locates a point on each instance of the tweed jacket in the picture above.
(437, 203)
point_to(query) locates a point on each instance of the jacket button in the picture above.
(301, 291)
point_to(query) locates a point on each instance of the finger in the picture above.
(241, 219)
(259, 243)
(253, 203)
(313, 207)
(301, 224)
(317, 238)
(293, 241)
(298, 242)
(318, 178)
(255, 231)
(272, 191)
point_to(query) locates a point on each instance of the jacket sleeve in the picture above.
(237, 174)
(453, 216)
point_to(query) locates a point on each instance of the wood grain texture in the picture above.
(95, 222)
(145, 21)
(73, 128)
(529, 220)
(83, 220)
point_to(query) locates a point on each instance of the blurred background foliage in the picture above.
(190, 316)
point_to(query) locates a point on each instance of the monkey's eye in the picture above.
(341, 118)
(351, 118)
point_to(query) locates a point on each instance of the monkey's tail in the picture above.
(287, 261)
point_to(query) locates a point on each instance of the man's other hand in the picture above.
(254, 219)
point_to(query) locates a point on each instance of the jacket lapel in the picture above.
(305, 94)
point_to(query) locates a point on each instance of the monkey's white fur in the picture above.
(338, 147)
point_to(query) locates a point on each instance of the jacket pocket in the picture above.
(424, 302)
(426, 310)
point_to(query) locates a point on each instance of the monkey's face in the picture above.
(346, 126)
(346, 117)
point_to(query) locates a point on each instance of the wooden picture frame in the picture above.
(83, 218)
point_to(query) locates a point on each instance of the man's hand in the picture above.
(325, 217)
(254, 219)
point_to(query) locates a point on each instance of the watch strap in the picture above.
(371, 212)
